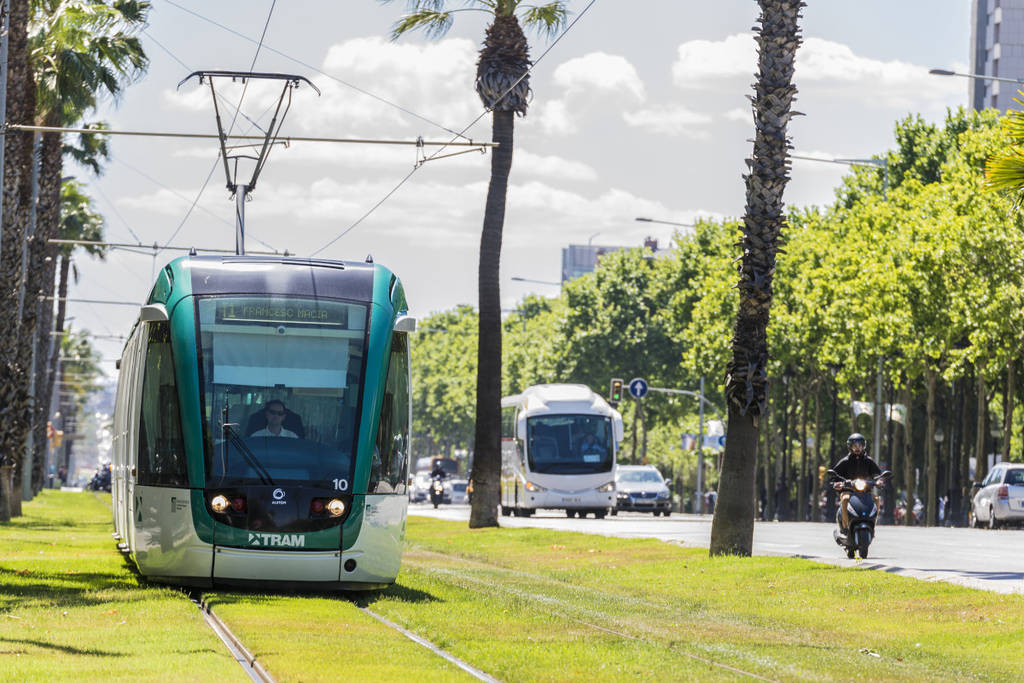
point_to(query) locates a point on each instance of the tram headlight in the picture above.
(238, 504)
(220, 503)
(317, 506)
(336, 507)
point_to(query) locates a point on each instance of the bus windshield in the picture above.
(570, 444)
(281, 380)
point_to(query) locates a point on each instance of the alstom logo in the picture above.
(278, 540)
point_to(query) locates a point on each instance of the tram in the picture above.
(261, 426)
(558, 451)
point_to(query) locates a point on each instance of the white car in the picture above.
(999, 499)
(457, 491)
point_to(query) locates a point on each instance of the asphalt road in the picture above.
(978, 558)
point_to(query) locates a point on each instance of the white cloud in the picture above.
(821, 66)
(598, 71)
(554, 118)
(673, 120)
(741, 114)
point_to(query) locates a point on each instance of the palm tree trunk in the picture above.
(17, 193)
(732, 531)
(487, 459)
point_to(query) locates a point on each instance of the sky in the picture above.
(640, 110)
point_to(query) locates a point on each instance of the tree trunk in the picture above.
(908, 454)
(746, 384)
(965, 452)
(981, 430)
(17, 194)
(487, 459)
(39, 283)
(1009, 396)
(931, 458)
(815, 479)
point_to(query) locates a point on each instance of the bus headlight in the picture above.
(610, 486)
(530, 486)
(220, 503)
(336, 507)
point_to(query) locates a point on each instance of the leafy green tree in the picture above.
(747, 380)
(502, 82)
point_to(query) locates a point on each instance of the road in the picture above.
(977, 558)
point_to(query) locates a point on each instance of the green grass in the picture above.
(521, 604)
(70, 608)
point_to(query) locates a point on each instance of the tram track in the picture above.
(558, 607)
(246, 659)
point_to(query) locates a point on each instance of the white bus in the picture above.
(558, 451)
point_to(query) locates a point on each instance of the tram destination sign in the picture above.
(293, 311)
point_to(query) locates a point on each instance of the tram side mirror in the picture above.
(521, 428)
(405, 323)
(153, 313)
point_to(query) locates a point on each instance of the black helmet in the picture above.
(855, 438)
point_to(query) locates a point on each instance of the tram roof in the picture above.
(279, 275)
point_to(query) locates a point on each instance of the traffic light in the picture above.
(615, 395)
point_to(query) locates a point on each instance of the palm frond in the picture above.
(433, 23)
(1005, 170)
(547, 20)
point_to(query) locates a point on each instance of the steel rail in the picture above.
(242, 655)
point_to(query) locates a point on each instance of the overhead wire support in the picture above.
(128, 246)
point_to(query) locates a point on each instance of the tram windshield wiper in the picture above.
(248, 455)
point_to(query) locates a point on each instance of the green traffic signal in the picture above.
(616, 391)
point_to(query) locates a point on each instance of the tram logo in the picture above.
(279, 497)
(280, 540)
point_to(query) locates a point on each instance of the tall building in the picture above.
(580, 259)
(997, 49)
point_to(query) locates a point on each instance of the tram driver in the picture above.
(275, 412)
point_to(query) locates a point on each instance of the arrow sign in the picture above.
(638, 387)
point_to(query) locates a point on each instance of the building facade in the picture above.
(997, 49)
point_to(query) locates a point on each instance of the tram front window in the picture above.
(281, 383)
(570, 444)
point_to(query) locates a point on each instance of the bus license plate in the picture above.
(571, 500)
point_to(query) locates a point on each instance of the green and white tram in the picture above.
(558, 451)
(262, 425)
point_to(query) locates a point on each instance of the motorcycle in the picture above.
(436, 491)
(862, 514)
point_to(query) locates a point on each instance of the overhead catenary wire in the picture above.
(127, 246)
(319, 71)
(452, 142)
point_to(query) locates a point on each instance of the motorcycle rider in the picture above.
(437, 472)
(856, 465)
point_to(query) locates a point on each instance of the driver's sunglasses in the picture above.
(276, 412)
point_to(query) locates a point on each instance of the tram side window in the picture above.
(391, 453)
(161, 450)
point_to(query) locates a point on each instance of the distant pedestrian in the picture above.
(710, 498)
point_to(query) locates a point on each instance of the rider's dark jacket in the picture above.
(856, 467)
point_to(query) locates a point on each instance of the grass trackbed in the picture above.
(520, 604)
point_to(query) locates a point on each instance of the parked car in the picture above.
(456, 489)
(641, 488)
(420, 484)
(999, 500)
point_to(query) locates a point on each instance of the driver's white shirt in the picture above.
(283, 432)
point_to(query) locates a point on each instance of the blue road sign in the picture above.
(638, 387)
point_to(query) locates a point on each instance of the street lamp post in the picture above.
(939, 437)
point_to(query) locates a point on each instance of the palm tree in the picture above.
(81, 51)
(78, 221)
(502, 82)
(732, 531)
(1005, 169)
(17, 195)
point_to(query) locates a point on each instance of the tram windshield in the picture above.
(570, 444)
(281, 383)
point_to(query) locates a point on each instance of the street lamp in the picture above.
(982, 77)
(830, 493)
(539, 282)
(653, 220)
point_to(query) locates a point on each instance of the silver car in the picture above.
(999, 499)
(641, 488)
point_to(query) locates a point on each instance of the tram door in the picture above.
(161, 518)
